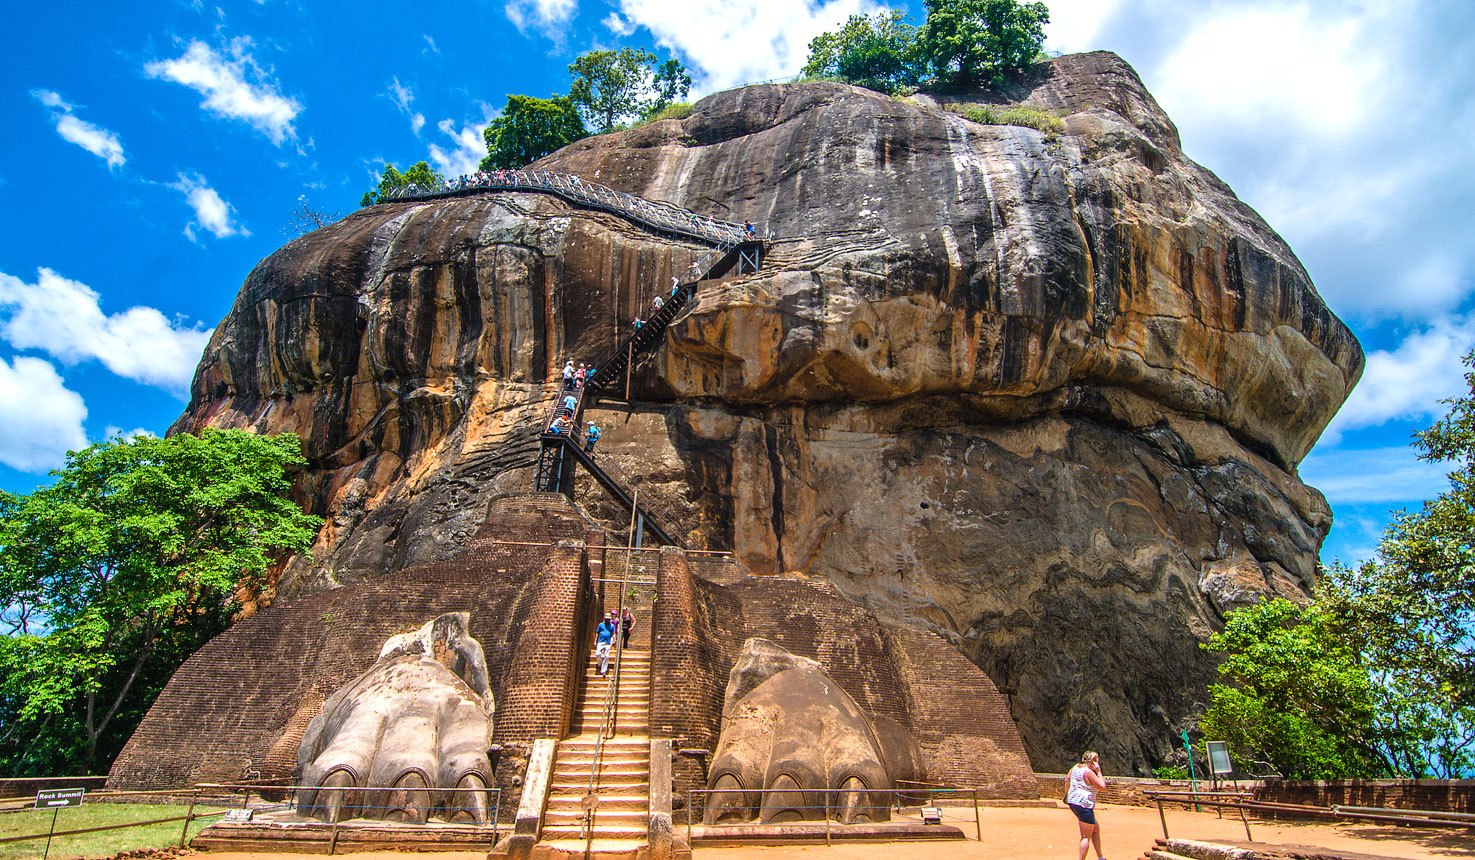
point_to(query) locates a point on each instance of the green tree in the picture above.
(671, 84)
(420, 174)
(881, 53)
(112, 575)
(530, 128)
(1302, 701)
(968, 42)
(610, 86)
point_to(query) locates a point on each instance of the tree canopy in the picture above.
(530, 128)
(967, 42)
(610, 86)
(419, 174)
(880, 53)
(111, 576)
(1376, 677)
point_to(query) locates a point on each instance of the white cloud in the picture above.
(113, 432)
(95, 139)
(430, 43)
(732, 42)
(403, 97)
(40, 418)
(64, 318)
(617, 25)
(1382, 476)
(1408, 382)
(1341, 121)
(223, 80)
(470, 148)
(545, 15)
(211, 211)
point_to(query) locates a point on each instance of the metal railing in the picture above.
(656, 214)
(188, 818)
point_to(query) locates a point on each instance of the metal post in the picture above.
(54, 814)
(1163, 816)
(1192, 776)
(629, 369)
(827, 818)
(1248, 837)
(977, 822)
(189, 816)
(333, 840)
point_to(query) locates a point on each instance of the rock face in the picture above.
(1042, 394)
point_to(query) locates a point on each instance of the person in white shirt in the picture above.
(1085, 781)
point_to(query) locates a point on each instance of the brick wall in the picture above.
(245, 699)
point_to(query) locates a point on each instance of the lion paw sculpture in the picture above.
(412, 727)
(794, 744)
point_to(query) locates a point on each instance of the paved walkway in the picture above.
(1046, 834)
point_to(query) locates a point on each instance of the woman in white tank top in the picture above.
(1085, 781)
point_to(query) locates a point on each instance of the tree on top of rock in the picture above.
(610, 86)
(530, 128)
(972, 42)
(879, 53)
(420, 175)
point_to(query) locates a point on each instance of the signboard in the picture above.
(238, 815)
(931, 815)
(56, 798)
(1219, 757)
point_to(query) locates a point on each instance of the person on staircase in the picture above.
(570, 403)
(580, 375)
(568, 374)
(590, 438)
(627, 623)
(604, 636)
(655, 305)
(639, 323)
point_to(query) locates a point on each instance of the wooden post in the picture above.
(188, 817)
(1248, 837)
(977, 822)
(333, 840)
(1163, 816)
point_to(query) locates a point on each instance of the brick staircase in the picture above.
(623, 783)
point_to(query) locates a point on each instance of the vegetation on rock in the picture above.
(1040, 120)
(530, 128)
(114, 574)
(419, 174)
(963, 44)
(1377, 676)
(610, 86)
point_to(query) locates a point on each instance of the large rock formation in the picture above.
(1044, 394)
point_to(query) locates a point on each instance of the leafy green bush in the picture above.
(1039, 120)
(679, 110)
(1170, 771)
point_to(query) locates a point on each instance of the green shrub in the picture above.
(1039, 120)
(679, 110)
(1170, 771)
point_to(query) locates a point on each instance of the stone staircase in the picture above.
(623, 784)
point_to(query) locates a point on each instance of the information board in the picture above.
(57, 798)
(1219, 762)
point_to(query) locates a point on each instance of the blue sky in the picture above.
(152, 154)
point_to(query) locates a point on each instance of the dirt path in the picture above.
(1044, 834)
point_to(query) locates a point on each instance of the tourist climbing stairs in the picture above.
(606, 756)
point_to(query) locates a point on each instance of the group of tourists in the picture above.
(604, 636)
(575, 377)
(563, 417)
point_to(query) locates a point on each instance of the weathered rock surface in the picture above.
(1037, 393)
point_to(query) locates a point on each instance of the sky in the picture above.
(153, 153)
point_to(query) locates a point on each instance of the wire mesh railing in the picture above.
(656, 214)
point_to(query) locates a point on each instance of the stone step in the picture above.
(574, 831)
(622, 787)
(629, 773)
(586, 757)
(624, 801)
(618, 818)
(599, 849)
(591, 739)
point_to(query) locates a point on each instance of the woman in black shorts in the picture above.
(1085, 781)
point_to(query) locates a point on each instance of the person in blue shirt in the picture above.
(591, 437)
(604, 635)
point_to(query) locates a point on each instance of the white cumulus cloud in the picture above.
(93, 138)
(545, 15)
(733, 42)
(403, 97)
(64, 318)
(470, 147)
(40, 418)
(211, 211)
(234, 85)
(1409, 381)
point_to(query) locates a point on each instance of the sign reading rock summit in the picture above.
(59, 797)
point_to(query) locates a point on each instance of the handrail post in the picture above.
(827, 816)
(1163, 816)
(977, 821)
(1246, 820)
(188, 817)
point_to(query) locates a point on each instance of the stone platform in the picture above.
(286, 832)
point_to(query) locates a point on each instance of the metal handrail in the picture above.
(658, 214)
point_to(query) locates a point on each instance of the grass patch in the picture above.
(1039, 120)
(678, 110)
(105, 844)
